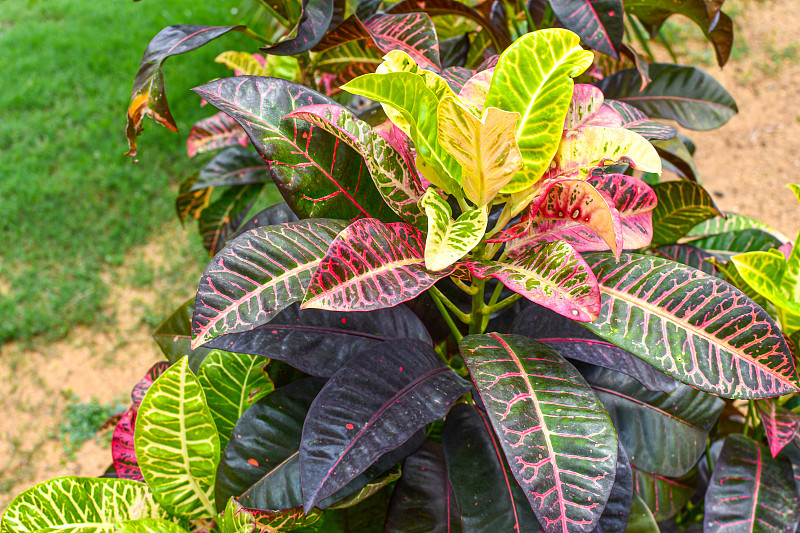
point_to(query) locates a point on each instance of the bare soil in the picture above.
(746, 165)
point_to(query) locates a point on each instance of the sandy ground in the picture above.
(746, 165)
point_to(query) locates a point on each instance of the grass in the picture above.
(72, 204)
(82, 421)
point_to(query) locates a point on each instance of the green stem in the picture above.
(447, 318)
(469, 289)
(638, 31)
(253, 35)
(461, 315)
(505, 216)
(490, 309)
(476, 315)
(747, 418)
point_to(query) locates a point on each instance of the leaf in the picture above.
(139, 390)
(684, 94)
(691, 326)
(423, 499)
(214, 132)
(236, 519)
(716, 25)
(780, 425)
(449, 241)
(550, 274)
(235, 166)
(176, 443)
(488, 496)
(473, 92)
(313, 24)
(723, 246)
(690, 256)
(286, 519)
(591, 146)
(412, 33)
(732, 222)
(599, 23)
(549, 59)
(221, 219)
(673, 151)
(257, 275)
(665, 497)
(320, 342)
(485, 147)
(369, 490)
(586, 101)
(148, 96)
(641, 519)
(633, 119)
(371, 265)
(681, 206)
(750, 489)
(243, 63)
(408, 95)
(174, 337)
(633, 199)
(232, 382)
(123, 453)
(318, 176)
(373, 404)
(148, 525)
(618, 508)
(190, 203)
(556, 435)
(80, 504)
(396, 181)
(664, 434)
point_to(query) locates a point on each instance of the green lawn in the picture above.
(71, 203)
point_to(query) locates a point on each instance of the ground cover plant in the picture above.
(479, 307)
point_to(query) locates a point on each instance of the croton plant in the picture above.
(480, 306)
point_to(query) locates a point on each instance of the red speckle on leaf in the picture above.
(274, 331)
(610, 13)
(349, 426)
(344, 321)
(401, 369)
(253, 462)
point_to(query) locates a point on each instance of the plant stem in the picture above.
(253, 35)
(469, 289)
(461, 315)
(504, 218)
(476, 315)
(489, 309)
(447, 318)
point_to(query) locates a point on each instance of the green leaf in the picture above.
(148, 525)
(236, 519)
(411, 96)
(685, 94)
(86, 505)
(176, 443)
(790, 283)
(675, 152)
(189, 202)
(533, 78)
(664, 496)
(449, 241)
(681, 206)
(723, 246)
(485, 147)
(732, 222)
(557, 436)
(641, 519)
(232, 382)
(764, 272)
(693, 327)
(589, 146)
(174, 337)
(221, 219)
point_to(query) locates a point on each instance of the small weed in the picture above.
(82, 420)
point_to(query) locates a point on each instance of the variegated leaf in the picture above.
(558, 438)
(691, 326)
(634, 201)
(232, 382)
(551, 274)
(236, 519)
(220, 220)
(235, 166)
(600, 23)
(215, 132)
(485, 147)
(310, 29)
(723, 246)
(790, 283)
(123, 453)
(449, 241)
(473, 92)
(590, 146)
(780, 424)
(764, 271)
(681, 206)
(633, 119)
(81, 504)
(412, 33)
(257, 275)
(664, 496)
(547, 60)
(176, 442)
(397, 182)
(731, 222)
(247, 64)
(371, 265)
(586, 102)
(191, 203)
(690, 256)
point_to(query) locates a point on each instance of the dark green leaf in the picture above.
(313, 24)
(674, 152)
(664, 496)
(599, 23)
(174, 337)
(234, 166)
(221, 219)
(681, 206)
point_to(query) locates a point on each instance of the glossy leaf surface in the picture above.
(234, 166)
(232, 382)
(485, 147)
(412, 33)
(174, 337)
(80, 504)
(190, 203)
(589, 146)
(641, 519)
(691, 326)
(397, 182)
(681, 206)
(557, 436)
(631, 118)
(549, 59)
(448, 240)
(219, 221)
(377, 401)
(149, 96)
(684, 94)
(371, 265)
(664, 496)
(550, 274)
(725, 245)
(177, 446)
(257, 275)
(423, 499)
(750, 490)
(215, 132)
(690, 256)
(320, 342)
(732, 222)
(310, 29)
(668, 433)
(316, 174)
(780, 425)
(676, 154)
(488, 496)
(123, 453)
(599, 23)
(618, 507)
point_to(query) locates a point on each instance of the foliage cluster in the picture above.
(479, 307)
